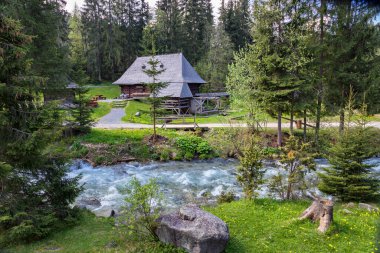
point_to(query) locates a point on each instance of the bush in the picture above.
(226, 197)
(143, 206)
(191, 146)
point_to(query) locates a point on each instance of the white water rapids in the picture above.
(181, 182)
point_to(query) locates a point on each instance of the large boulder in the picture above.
(193, 229)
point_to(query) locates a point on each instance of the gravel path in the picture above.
(113, 118)
(113, 121)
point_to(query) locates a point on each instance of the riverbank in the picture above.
(107, 147)
(255, 226)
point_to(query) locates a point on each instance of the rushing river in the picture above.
(181, 182)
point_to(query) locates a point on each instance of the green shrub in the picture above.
(140, 213)
(204, 148)
(226, 197)
(189, 156)
(269, 151)
(191, 146)
(165, 155)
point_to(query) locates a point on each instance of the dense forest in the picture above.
(282, 58)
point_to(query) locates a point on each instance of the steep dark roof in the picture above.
(177, 70)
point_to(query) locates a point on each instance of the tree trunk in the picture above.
(304, 124)
(279, 130)
(321, 72)
(341, 120)
(320, 210)
(291, 119)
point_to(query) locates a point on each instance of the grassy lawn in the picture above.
(145, 118)
(134, 106)
(108, 90)
(272, 226)
(102, 110)
(93, 234)
(119, 136)
(255, 226)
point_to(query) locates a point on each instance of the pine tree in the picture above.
(349, 177)
(235, 18)
(197, 24)
(156, 68)
(213, 67)
(250, 173)
(81, 113)
(77, 49)
(350, 61)
(168, 27)
(47, 21)
(32, 167)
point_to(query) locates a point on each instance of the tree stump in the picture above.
(320, 210)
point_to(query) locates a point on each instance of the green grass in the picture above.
(134, 106)
(119, 136)
(102, 110)
(110, 91)
(255, 226)
(272, 226)
(93, 234)
(145, 117)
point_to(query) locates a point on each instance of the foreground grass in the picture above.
(102, 110)
(92, 234)
(255, 226)
(272, 226)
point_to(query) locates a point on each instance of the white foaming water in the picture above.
(180, 182)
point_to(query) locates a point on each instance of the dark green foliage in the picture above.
(46, 21)
(235, 18)
(197, 24)
(112, 32)
(250, 172)
(191, 146)
(349, 178)
(213, 67)
(32, 165)
(81, 114)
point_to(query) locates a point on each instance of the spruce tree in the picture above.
(35, 193)
(213, 67)
(349, 178)
(155, 68)
(81, 113)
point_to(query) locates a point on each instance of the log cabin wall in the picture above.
(130, 90)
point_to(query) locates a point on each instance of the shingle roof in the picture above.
(176, 90)
(177, 70)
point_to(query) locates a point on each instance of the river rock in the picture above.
(90, 202)
(368, 207)
(193, 229)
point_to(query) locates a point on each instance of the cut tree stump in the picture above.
(320, 210)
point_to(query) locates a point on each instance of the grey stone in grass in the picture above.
(193, 229)
(368, 207)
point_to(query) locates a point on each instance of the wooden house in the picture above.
(183, 82)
